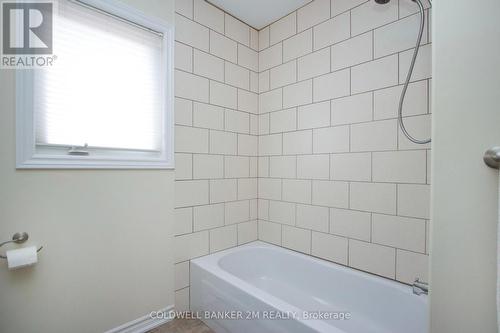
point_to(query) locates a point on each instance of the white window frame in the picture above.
(31, 156)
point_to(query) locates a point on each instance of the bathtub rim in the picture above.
(213, 259)
(210, 264)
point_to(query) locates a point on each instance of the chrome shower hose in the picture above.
(408, 77)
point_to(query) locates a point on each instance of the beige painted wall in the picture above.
(107, 236)
(466, 109)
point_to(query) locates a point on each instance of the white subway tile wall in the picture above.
(217, 103)
(289, 135)
(337, 179)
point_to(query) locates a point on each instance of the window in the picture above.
(107, 100)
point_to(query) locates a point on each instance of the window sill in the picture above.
(89, 163)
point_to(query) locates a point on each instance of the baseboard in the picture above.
(143, 324)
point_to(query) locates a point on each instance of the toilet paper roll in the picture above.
(19, 258)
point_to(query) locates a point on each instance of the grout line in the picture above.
(350, 23)
(372, 30)
(350, 81)
(321, 75)
(373, 44)
(371, 227)
(397, 195)
(371, 166)
(313, 154)
(349, 195)
(210, 28)
(309, 204)
(311, 242)
(267, 159)
(336, 16)
(373, 105)
(354, 94)
(192, 219)
(348, 252)
(192, 166)
(348, 237)
(192, 60)
(209, 52)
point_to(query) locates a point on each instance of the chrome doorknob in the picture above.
(492, 157)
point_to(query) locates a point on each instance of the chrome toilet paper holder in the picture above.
(18, 238)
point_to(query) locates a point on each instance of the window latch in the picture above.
(79, 150)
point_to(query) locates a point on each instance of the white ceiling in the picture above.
(259, 13)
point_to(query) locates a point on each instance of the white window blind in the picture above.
(106, 87)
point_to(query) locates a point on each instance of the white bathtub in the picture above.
(279, 288)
